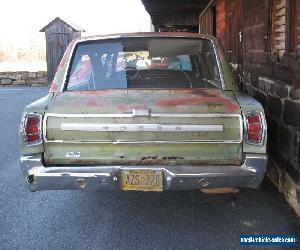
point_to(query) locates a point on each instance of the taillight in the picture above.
(255, 128)
(32, 128)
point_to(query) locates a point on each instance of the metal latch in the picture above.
(141, 112)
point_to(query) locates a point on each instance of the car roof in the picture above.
(145, 34)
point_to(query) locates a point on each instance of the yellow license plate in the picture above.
(142, 180)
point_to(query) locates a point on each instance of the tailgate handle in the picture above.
(141, 112)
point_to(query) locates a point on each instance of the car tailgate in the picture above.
(143, 127)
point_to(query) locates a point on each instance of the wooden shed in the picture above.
(58, 33)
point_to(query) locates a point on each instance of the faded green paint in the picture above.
(58, 80)
(122, 101)
(159, 154)
(231, 125)
(159, 101)
(38, 106)
(198, 101)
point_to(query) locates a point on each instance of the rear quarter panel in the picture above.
(38, 106)
(249, 104)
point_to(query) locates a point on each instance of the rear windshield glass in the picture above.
(144, 63)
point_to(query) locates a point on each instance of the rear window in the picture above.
(144, 63)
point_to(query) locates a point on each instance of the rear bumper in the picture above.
(89, 178)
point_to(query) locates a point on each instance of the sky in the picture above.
(21, 20)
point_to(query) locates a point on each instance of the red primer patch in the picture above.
(92, 103)
(93, 92)
(128, 107)
(54, 87)
(62, 63)
(203, 92)
(211, 101)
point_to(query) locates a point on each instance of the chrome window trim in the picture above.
(217, 57)
(217, 115)
(64, 83)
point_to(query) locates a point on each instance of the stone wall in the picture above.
(282, 105)
(23, 78)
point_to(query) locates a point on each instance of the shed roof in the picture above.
(75, 27)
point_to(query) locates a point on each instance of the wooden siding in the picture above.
(168, 19)
(255, 27)
(279, 28)
(221, 21)
(268, 27)
(258, 51)
(234, 31)
(296, 28)
(206, 22)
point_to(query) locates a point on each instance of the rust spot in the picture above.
(30, 178)
(92, 103)
(173, 158)
(145, 161)
(220, 190)
(149, 158)
(62, 63)
(54, 87)
(194, 100)
(220, 55)
(84, 162)
(93, 92)
(125, 107)
(203, 92)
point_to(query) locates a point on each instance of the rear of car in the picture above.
(146, 113)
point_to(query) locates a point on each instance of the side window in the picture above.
(209, 66)
(82, 73)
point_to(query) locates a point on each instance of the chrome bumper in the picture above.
(40, 177)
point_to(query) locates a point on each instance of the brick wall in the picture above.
(282, 105)
(23, 78)
(271, 74)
